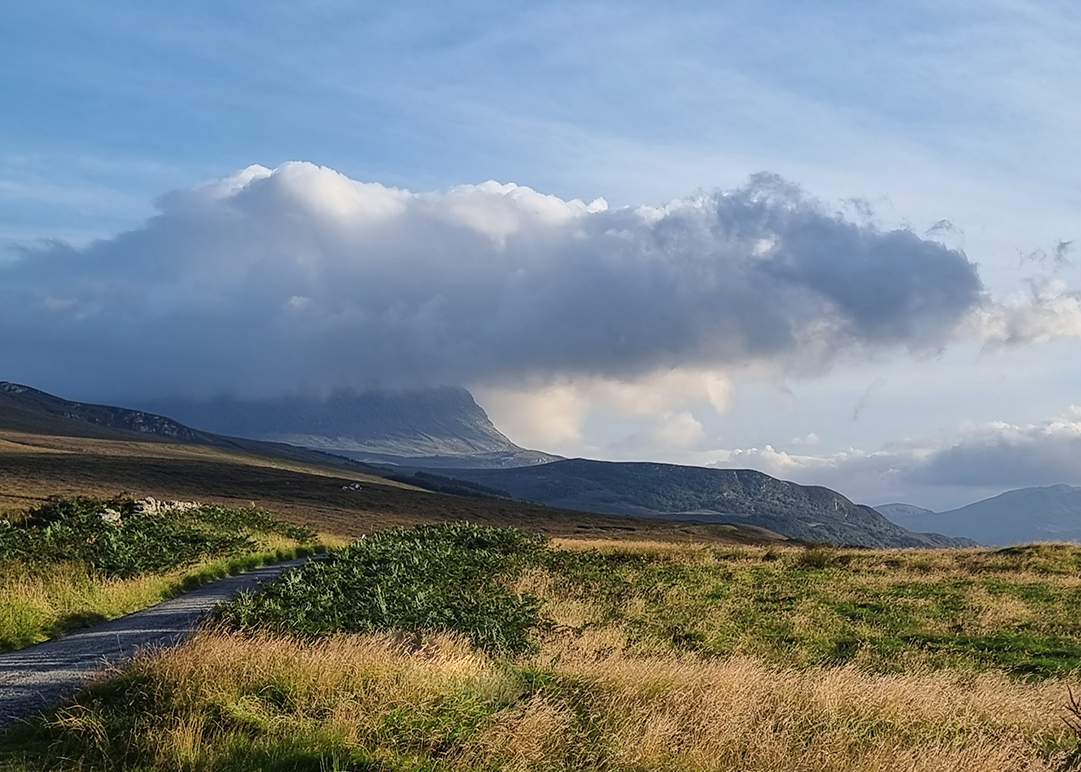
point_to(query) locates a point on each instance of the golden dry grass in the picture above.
(661, 656)
(883, 610)
(585, 706)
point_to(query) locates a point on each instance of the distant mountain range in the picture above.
(441, 427)
(809, 513)
(413, 428)
(1051, 513)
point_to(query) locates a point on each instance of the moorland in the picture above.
(540, 639)
(467, 647)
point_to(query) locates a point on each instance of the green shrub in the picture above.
(432, 577)
(74, 529)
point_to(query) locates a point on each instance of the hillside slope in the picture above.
(47, 449)
(25, 409)
(707, 495)
(1051, 513)
(429, 427)
(897, 511)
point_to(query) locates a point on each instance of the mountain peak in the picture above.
(441, 426)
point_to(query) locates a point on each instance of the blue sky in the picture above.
(958, 121)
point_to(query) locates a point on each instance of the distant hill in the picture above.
(25, 409)
(898, 510)
(442, 427)
(30, 409)
(705, 495)
(52, 446)
(1051, 513)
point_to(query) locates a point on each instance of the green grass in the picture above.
(455, 648)
(63, 567)
(114, 538)
(1017, 610)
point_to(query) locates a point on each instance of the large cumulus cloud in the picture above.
(299, 278)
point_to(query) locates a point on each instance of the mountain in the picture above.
(25, 409)
(24, 402)
(897, 511)
(1051, 513)
(694, 493)
(442, 427)
(53, 446)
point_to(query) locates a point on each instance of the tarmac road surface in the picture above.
(39, 677)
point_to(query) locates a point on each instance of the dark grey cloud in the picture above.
(301, 279)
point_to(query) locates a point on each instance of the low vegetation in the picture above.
(75, 561)
(467, 648)
(1016, 610)
(452, 577)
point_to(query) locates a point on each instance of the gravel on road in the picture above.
(39, 677)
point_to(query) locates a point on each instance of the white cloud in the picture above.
(1049, 310)
(270, 281)
(679, 430)
(937, 472)
(669, 434)
(551, 414)
(549, 417)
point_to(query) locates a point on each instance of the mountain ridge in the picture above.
(24, 408)
(899, 509)
(701, 494)
(698, 494)
(1041, 513)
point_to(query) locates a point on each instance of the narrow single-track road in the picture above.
(39, 677)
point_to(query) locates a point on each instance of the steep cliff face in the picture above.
(441, 427)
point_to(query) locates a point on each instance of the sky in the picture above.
(833, 241)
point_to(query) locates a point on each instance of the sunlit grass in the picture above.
(887, 610)
(238, 702)
(655, 657)
(65, 565)
(38, 603)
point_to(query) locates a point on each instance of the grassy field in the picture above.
(635, 656)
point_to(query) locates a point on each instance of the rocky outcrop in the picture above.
(149, 507)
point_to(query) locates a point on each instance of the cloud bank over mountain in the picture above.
(269, 282)
(940, 473)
